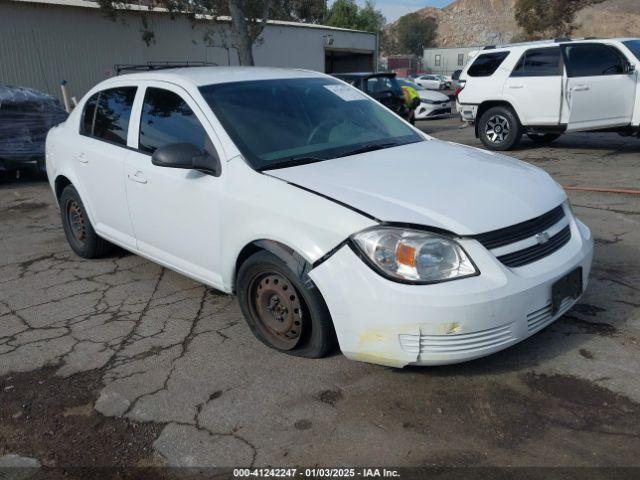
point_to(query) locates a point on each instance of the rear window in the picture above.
(112, 114)
(539, 62)
(486, 64)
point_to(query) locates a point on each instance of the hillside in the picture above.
(486, 22)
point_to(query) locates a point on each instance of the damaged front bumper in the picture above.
(388, 323)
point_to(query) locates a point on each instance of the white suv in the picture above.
(545, 89)
(334, 220)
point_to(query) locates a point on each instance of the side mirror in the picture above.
(629, 68)
(188, 156)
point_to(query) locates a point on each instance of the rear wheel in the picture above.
(499, 129)
(543, 138)
(78, 229)
(281, 311)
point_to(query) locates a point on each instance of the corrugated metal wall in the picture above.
(40, 45)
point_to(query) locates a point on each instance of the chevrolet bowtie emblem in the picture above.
(542, 238)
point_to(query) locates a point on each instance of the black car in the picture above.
(382, 86)
(26, 115)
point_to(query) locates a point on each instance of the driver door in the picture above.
(175, 212)
(600, 89)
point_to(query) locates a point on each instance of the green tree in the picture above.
(347, 14)
(343, 14)
(413, 33)
(370, 19)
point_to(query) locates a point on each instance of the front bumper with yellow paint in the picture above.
(395, 324)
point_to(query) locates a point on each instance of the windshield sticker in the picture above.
(345, 92)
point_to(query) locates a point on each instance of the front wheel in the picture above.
(282, 312)
(499, 129)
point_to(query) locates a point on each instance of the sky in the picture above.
(392, 9)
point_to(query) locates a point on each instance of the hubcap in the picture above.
(497, 129)
(76, 221)
(277, 309)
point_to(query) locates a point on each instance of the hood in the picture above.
(433, 96)
(461, 189)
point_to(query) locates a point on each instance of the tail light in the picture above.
(461, 86)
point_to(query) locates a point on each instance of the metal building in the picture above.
(445, 61)
(43, 42)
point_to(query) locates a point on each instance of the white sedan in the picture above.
(432, 104)
(430, 82)
(334, 221)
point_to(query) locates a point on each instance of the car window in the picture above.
(113, 112)
(382, 84)
(634, 46)
(593, 60)
(88, 114)
(166, 119)
(539, 62)
(292, 120)
(486, 64)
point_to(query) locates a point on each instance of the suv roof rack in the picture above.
(149, 66)
(563, 39)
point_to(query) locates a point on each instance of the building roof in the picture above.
(200, 76)
(126, 6)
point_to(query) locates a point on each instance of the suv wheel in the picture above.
(499, 129)
(283, 313)
(543, 138)
(78, 229)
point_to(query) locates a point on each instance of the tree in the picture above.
(548, 18)
(413, 33)
(343, 14)
(248, 17)
(347, 14)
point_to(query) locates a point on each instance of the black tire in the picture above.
(499, 129)
(543, 138)
(80, 234)
(296, 322)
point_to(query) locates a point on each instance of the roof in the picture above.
(200, 76)
(133, 7)
(559, 41)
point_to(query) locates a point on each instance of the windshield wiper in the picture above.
(291, 162)
(371, 147)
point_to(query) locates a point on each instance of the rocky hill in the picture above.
(486, 22)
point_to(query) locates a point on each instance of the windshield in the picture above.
(284, 122)
(634, 46)
(383, 84)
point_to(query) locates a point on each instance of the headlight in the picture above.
(414, 256)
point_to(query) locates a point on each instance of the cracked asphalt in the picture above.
(121, 362)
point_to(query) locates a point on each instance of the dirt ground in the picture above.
(119, 362)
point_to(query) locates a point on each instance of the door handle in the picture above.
(580, 88)
(138, 177)
(516, 87)
(82, 158)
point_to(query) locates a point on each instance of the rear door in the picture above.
(600, 91)
(100, 160)
(535, 86)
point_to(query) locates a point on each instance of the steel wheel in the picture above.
(497, 129)
(76, 221)
(277, 309)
